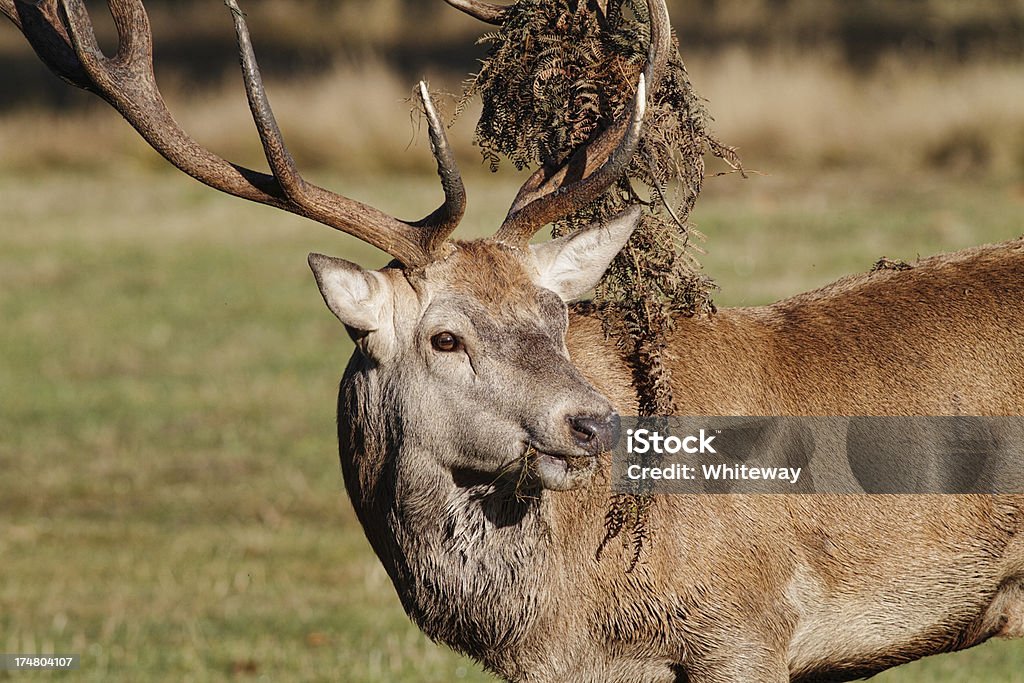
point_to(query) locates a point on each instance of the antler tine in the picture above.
(61, 33)
(7, 9)
(41, 24)
(552, 193)
(446, 218)
(363, 221)
(484, 11)
(660, 49)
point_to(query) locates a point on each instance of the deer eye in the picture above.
(446, 342)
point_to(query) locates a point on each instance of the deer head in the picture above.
(465, 342)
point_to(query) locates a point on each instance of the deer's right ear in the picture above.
(355, 295)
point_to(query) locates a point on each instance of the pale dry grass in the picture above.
(356, 117)
(782, 111)
(814, 111)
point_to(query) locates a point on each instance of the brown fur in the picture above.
(488, 273)
(944, 338)
(732, 588)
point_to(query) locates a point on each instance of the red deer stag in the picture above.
(470, 369)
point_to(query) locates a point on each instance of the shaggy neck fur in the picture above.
(469, 572)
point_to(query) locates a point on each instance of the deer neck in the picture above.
(471, 560)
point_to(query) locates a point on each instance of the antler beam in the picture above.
(61, 33)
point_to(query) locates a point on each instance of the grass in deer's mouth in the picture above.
(572, 462)
(526, 467)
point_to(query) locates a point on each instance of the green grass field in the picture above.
(171, 506)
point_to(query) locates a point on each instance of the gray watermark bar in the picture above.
(27, 662)
(835, 455)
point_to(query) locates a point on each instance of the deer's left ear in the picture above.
(572, 265)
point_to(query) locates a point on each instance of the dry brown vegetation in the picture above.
(782, 111)
(813, 110)
(350, 117)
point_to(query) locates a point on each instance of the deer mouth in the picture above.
(559, 471)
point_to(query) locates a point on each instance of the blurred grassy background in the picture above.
(170, 503)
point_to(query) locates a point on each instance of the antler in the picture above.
(552, 193)
(484, 11)
(61, 33)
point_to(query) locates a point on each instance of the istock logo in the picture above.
(642, 441)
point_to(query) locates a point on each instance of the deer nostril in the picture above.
(593, 433)
(584, 429)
